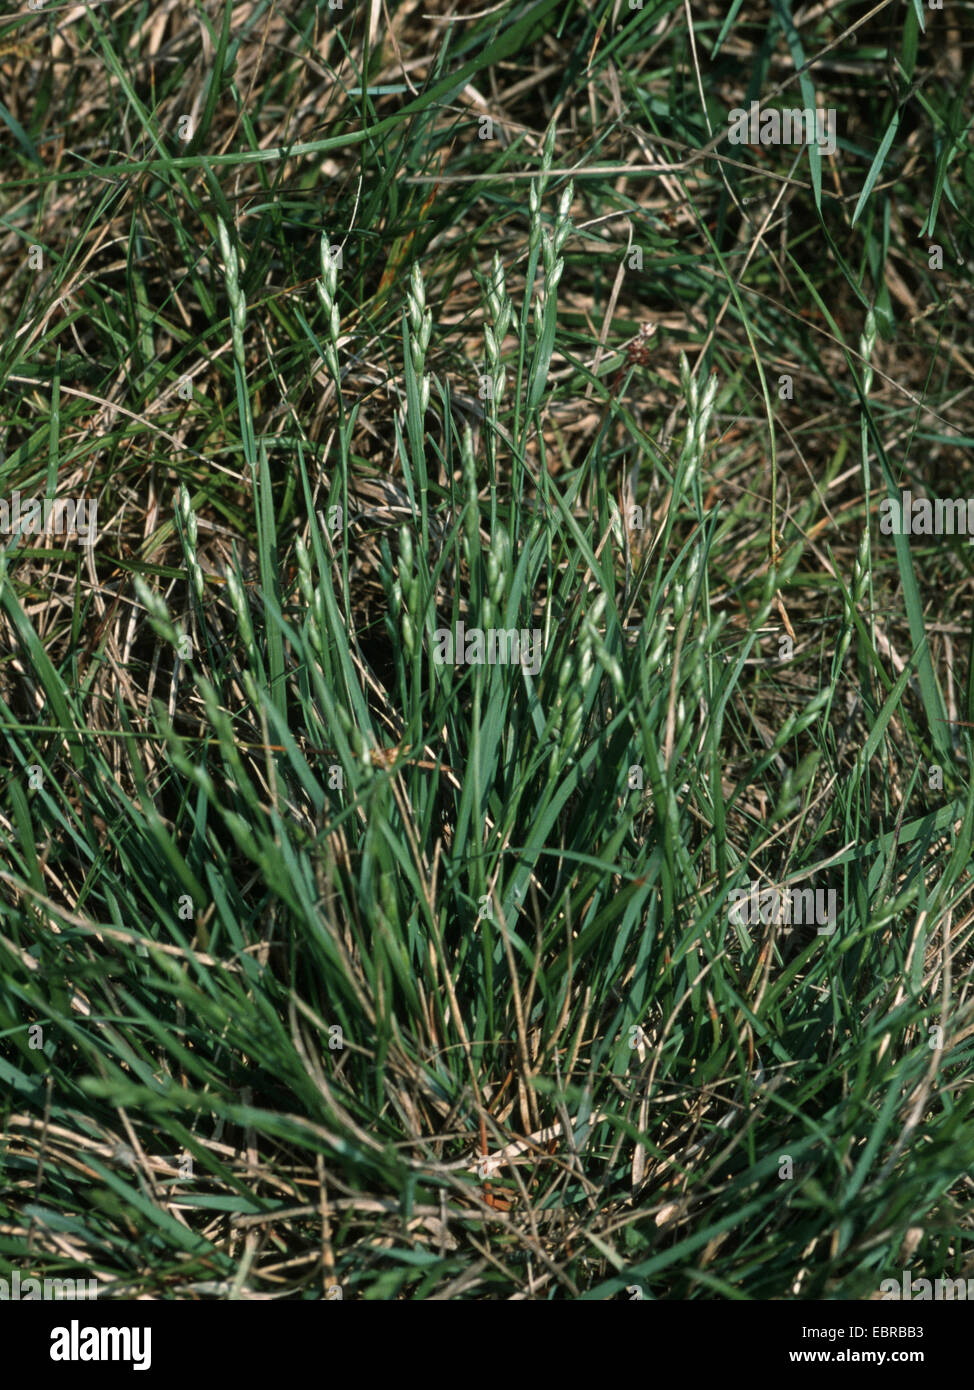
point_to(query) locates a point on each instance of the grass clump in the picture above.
(488, 627)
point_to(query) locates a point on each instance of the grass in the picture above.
(328, 969)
